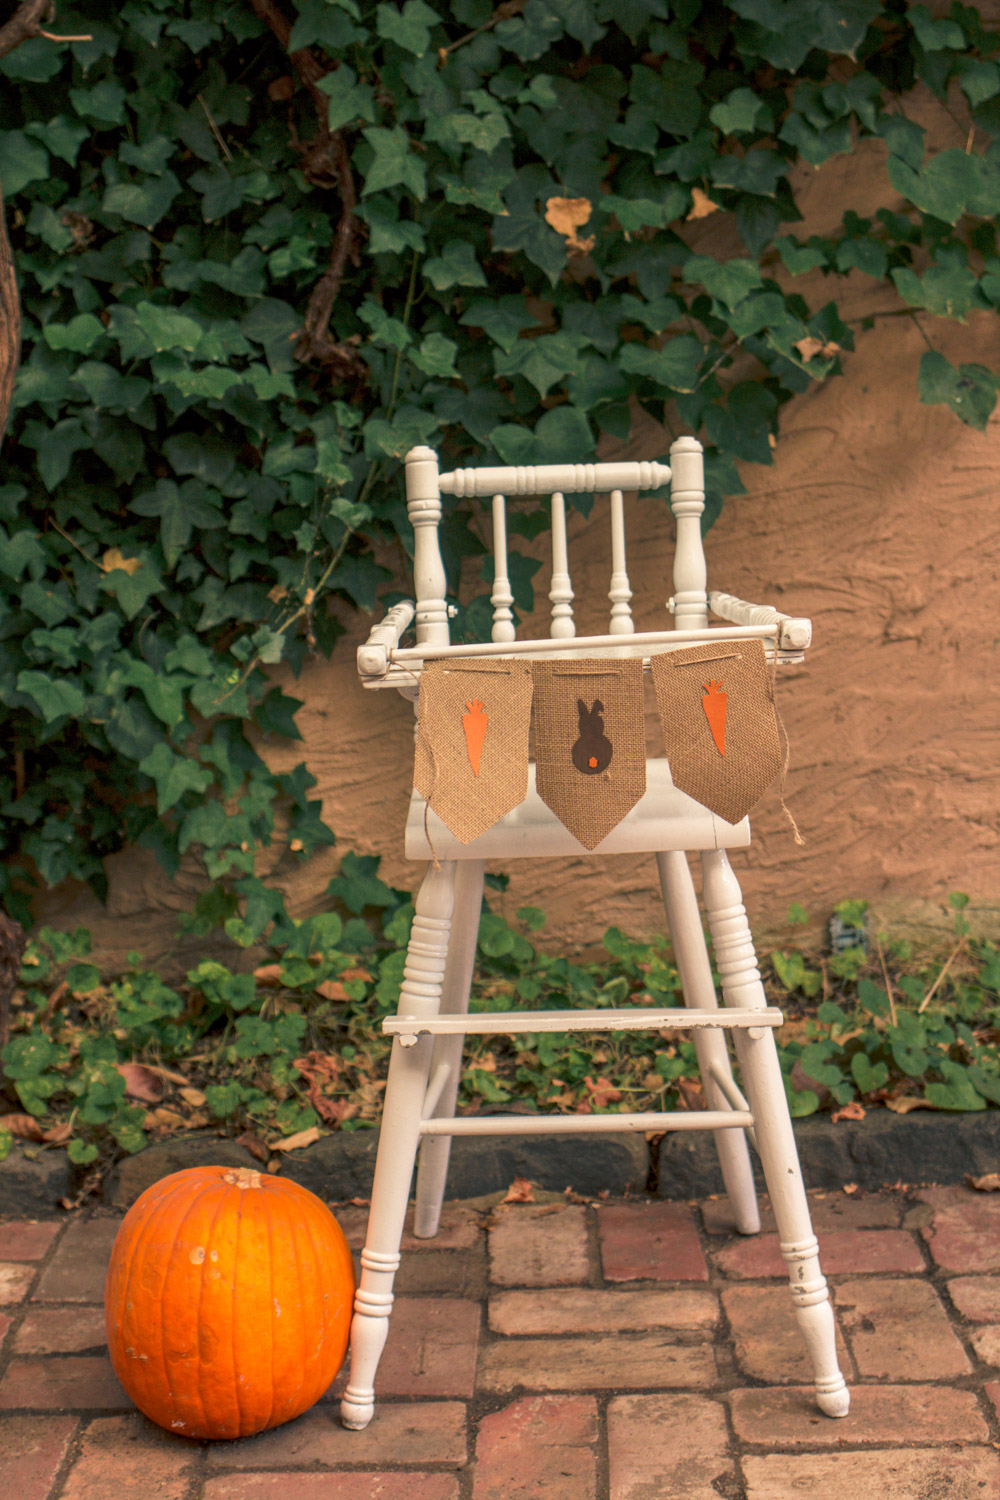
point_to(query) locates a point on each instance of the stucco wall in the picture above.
(879, 519)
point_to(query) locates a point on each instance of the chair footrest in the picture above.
(518, 1022)
(698, 1119)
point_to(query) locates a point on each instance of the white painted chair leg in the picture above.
(684, 918)
(420, 996)
(435, 1150)
(741, 986)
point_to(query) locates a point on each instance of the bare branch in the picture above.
(26, 22)
(325, 162)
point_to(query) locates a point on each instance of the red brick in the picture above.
(976, 1297)
(27, 1240)
(421, 1432)
(539, 1245)
(538, 1448)
(461, 1228)
(5, 1323)
(965, 1233)
(986, 1342)
(63, 1330)
(672, 1447)
(602, 1362)
(590, 1310)
(332, 1486)
(431, 1349)
(788, 1418)
(841, 1252)
(971, 1474)
(650, 1242)
(129, 1458)
(768, 1343)
(836, 1210)
(993, 1392)
(32, 1448)
(14, 1283)
(77, 1270)
(74, 1383)
(898, 1328)
(449, 1273)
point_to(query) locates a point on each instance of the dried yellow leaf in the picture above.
(701, 205)
(113, 559)
(566, 216)
(810, 346)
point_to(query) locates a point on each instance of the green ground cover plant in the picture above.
(265, 247)
(273, 1056)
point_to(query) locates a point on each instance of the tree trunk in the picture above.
(10, 324)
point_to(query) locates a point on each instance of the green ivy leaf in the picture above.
(728, 280)
(174, 776)
(455, 266)
(165, 328)
(394, 164)
(740, 112)
(408, 26)
(79, 334)
(21, 161)
(675, 366)
(970, 391)
(56, 697)
(436, 356)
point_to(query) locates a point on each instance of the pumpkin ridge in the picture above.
(220, 1196)
(305, 1372)
(232, 1317)
(174, 1300)
(133, 1246)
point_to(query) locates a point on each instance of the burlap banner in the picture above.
(471, 759)
(716, 705)
(590, 747)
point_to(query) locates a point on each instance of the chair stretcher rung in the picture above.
(699, 1119)
(517, 1022)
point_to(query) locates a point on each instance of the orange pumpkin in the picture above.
(227, 1301)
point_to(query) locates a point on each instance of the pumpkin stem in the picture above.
(242, 1177)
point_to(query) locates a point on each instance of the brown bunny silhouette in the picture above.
(593, 750)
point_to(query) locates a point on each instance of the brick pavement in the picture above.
(571, 1351)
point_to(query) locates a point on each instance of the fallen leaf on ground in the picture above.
(333, 1111)
(25, 1127)
(141, 1082)
(566, 216)
(850, 1188)
(331, 989)
(298, 1140)
(850, 1111)
(906, 1102)
(165, 1119)
(57, 1134)
(988, 1183)
(602, 1091)
(702, 205)
(268, 974)
(692, 1095)
(253, 1144)
(520, 1191)
(194, 1097)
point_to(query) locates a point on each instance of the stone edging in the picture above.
(881, 1151)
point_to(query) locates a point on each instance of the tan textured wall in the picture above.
(879, 519)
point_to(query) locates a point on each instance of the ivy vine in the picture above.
(263, 249)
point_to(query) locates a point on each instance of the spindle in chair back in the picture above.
(425, 486)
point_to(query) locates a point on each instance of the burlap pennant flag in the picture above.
(716, 705)
(471, 759)
(590, 749)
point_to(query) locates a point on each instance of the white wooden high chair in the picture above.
(433, 1016)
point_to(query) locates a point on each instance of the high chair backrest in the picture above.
(425, 487)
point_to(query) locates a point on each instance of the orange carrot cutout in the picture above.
(474, 723)
(714, 704)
